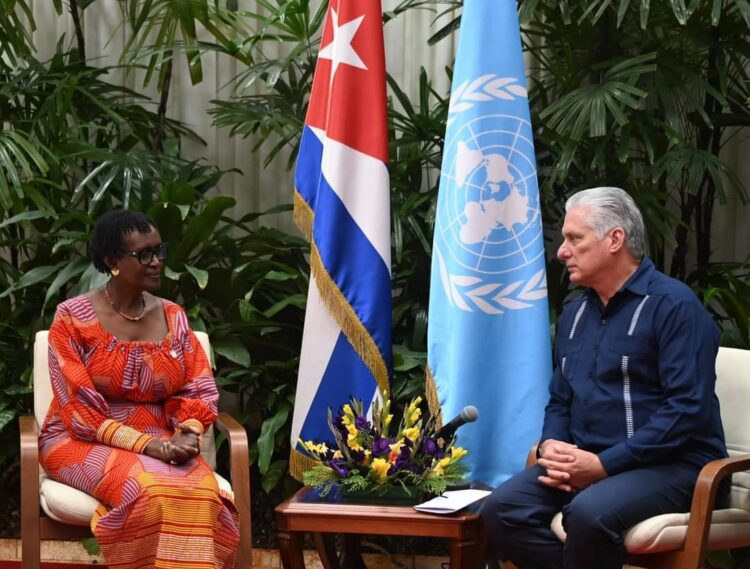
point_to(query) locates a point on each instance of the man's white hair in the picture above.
(609, 208)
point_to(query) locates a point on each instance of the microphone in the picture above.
(468, 414)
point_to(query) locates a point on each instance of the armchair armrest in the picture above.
(704, 498)
(29, 488)
(531, 458)
(239, 469)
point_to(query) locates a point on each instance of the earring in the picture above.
(115, 271)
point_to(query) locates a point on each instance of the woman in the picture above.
(133, 395)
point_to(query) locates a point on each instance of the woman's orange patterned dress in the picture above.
(111, 399)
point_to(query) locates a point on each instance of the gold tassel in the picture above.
(299, 463)
(431, 394)
(303, 215)
(359, 337)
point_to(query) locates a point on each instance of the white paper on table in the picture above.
(451, 501)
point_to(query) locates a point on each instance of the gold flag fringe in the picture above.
(299, 463)
(431, 394)
(359, 337)
(303, 215)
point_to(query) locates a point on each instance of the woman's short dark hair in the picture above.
(109, 231)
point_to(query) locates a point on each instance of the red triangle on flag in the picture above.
(351, 106)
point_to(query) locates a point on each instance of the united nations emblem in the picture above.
(488, 233)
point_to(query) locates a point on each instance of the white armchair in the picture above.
(680, 541)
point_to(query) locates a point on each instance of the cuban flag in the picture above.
(342, 203)
(489, 334)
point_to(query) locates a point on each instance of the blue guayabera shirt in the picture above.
(634, 381)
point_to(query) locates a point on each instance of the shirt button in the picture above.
(585, 401)
(591, 374)
(604, 321)
(596, 347)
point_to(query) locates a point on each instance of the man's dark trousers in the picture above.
(518, 513)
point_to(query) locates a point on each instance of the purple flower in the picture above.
(429, 447)
(381, 447)
(361, 423)
(339, 467)
(404, 462)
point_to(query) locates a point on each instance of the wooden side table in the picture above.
(306, 512)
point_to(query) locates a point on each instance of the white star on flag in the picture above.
(340, 50)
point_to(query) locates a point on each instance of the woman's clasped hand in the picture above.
(178, 449)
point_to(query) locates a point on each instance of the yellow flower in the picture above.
(379, 469)
(352, 442)
(457, 453)
(385, 413)
(413, 412)
(337, 454)
(316, 448)
(439, 469)
(411, 433)
(395, 450)
(348, 417)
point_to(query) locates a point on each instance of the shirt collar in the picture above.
(638, 281)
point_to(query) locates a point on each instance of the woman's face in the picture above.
(138, 248)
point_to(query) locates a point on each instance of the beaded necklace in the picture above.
(126, 316)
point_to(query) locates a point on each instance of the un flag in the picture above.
(489, 335)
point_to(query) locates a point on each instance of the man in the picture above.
(632, 415)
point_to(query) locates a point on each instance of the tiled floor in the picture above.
(73, 552)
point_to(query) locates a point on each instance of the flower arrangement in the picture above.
(369, 459)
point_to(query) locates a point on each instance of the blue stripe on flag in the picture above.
(307, 173)
(346, 376)
(355, 266)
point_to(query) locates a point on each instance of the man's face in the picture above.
(587, 258)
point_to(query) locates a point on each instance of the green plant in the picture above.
(642, 96)
(73, 145)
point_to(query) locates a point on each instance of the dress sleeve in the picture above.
(195, 404)
(83, 410)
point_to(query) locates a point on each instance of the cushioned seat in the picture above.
(68, 511)
(667, 532)
(67, 505)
